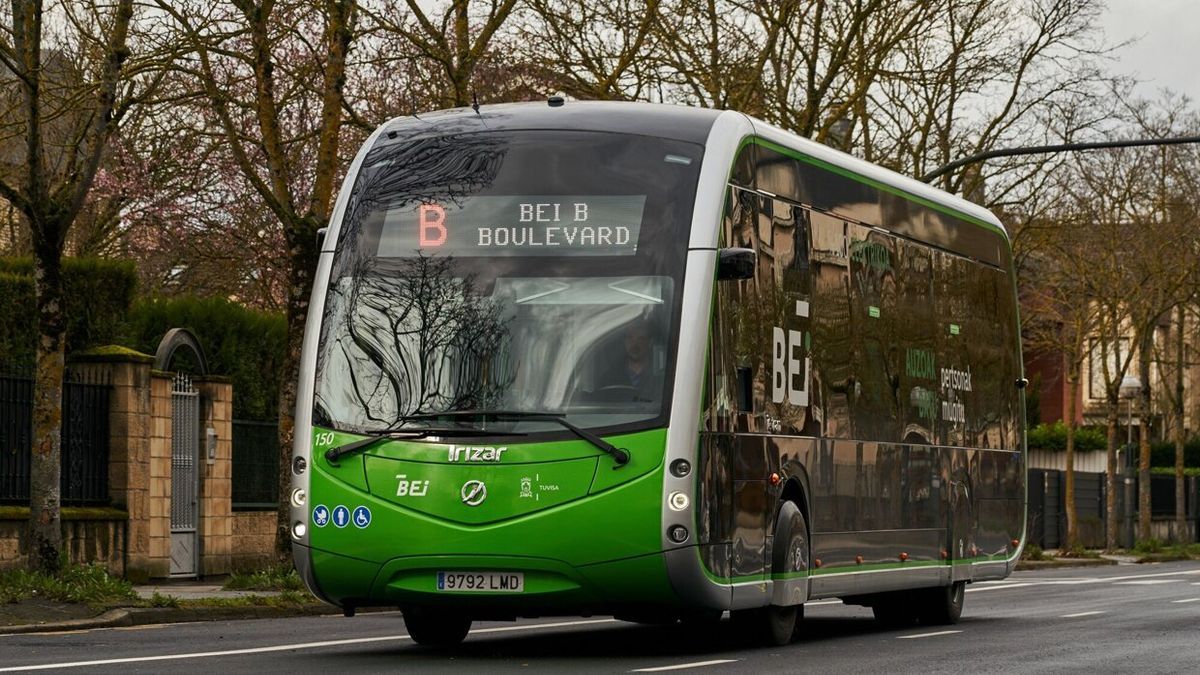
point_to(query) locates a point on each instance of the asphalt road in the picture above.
(1121, 619)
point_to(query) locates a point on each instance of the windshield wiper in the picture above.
(620, 455)
(402, 434)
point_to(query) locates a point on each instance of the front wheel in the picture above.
(435, 629)
(780, 624)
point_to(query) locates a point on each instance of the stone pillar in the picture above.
(159, 515)
(216, 475)
(130, 430)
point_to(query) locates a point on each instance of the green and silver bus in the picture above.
(655, 362)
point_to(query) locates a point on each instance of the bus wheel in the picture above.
(779, 625)
(432, 628)
(943, 605)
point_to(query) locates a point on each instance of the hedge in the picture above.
(243, 344)
(1054, 437)
(97, 295)
(1163, 453)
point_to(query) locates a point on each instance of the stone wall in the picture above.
(89, 535)
(253, 540)
(134, 537)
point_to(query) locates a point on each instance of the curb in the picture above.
(1064, 562)
(141, 616)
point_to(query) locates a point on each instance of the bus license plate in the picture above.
(494, 582)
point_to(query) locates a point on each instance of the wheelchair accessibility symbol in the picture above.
(362, 517)
(320, 515)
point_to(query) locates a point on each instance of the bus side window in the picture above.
(730, 386)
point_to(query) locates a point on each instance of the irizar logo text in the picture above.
(469, 453)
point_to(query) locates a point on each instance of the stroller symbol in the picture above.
(320, 515)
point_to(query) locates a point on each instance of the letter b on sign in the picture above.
(431, 223)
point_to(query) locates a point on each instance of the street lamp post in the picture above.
(1130, 387)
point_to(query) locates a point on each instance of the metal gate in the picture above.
(185, 477)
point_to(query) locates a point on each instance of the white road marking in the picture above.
(287, 647)
(1076, 616)
(822, 602)
(681, 666)
(925, 635)
(999, 588)
(1146, 582)
(1177, 602)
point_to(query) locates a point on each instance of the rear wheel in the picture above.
(433, 628)
(941, 606)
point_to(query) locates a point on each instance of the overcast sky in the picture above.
(1167, 53)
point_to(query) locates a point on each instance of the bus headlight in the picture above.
(299, 530)
(299, 465)
(678, 501)
(299, 497)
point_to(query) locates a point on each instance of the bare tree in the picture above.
(274, 74)
(1059, 320)
(455, 37)
(591, 50)
(69, 81)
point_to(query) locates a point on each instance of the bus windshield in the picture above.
(533, 271)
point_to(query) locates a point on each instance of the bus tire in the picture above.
(779, 625)
(431, 628)
(943, 605)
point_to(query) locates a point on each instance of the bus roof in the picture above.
(677, 122)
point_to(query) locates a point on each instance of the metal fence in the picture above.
(1047, 505)
(255, 465)
(85, 439)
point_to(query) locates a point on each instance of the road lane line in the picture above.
(1146, 576)
(681, 666)
(998, 588)
(1079, 614)
(1147, 582)
(925, 635)
(823, 602)
(287, 647)
(1177, 602)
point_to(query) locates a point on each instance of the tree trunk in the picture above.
(1110, 482)
(1181, 525)
(303, 256)
(1144, 349)
(45, 499)
(1072, 541)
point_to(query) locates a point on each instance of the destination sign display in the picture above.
(511, 225)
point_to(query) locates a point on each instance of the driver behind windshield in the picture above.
(634, 376)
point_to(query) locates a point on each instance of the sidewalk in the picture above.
(201, 601)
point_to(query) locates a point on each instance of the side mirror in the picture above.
(735, 263)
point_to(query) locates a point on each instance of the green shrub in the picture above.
(243, 344)
(160, 600)
(1034, 552)
(1054, 437)
(75, 583)
(97, 295)
(277, 578)
(1170, 471)
(1163, 453)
